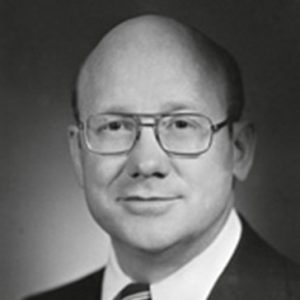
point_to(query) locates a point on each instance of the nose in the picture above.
(147, 158)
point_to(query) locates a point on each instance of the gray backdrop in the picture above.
(47, 236)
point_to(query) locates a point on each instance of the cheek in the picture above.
(100, 172)
(209, 176)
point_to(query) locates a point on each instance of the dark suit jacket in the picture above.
(255, 272)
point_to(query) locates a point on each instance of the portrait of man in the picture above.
(159, 144)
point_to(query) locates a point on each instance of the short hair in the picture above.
(217, 54)
(235, 89)
(74, 104)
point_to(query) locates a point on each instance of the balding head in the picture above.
(145, 43)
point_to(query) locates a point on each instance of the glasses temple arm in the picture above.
(218, 126)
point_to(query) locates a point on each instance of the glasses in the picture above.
(185, 134)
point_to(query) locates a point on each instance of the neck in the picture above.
(151, 266)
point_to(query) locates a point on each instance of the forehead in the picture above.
(149, 66)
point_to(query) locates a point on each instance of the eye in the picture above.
(114, 126)
(181, 124)
(110, 125)
(117, 125)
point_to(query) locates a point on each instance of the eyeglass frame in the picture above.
(214, 128)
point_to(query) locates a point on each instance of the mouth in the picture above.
(147, 206)
(147, 199)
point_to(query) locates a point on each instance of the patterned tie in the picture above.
(135, 291)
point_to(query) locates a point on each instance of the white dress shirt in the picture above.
(195, 280)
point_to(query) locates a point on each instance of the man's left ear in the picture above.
(244, 139)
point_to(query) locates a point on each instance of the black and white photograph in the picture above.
(150, 150)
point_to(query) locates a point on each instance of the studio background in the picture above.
(47, 234)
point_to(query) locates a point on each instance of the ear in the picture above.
(244, 139)
(76, 151)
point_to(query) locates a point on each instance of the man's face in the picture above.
(147, 199)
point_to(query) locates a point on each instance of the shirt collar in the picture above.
(193, 281)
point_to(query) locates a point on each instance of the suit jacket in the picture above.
(255, 272)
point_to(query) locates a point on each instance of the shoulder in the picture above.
(257, 271)
(257, 254)
(88, 288)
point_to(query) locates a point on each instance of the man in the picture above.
(158, 147)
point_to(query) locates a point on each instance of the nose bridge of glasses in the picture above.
(146, 124)
(146, 120)
(150, 121)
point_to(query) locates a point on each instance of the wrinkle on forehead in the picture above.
(145, 42)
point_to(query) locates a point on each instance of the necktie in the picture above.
(135, 291)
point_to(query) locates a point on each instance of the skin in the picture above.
(152, 64)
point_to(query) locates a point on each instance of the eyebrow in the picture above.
(166, 108)
(175, 106)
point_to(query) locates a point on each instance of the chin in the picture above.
(147, 242)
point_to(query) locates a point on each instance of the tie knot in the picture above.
(135, 291)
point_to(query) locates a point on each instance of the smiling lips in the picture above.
(153, 206)
(146, 199)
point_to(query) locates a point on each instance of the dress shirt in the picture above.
(195, 280)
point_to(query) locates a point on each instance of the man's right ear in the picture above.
(76, 151)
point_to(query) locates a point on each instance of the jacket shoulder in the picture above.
(257, 271)
(88, 288)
